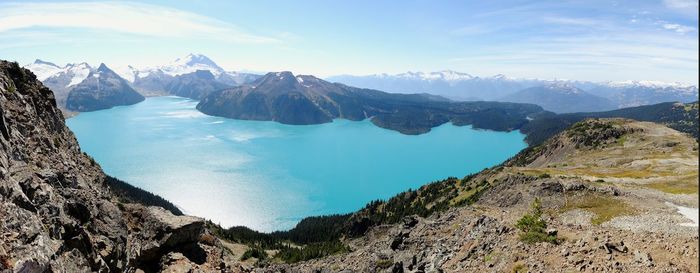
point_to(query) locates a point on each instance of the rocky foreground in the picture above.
(608, 190)
(57, 214)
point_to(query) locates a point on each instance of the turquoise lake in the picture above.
(267, 175)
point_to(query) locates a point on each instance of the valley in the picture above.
(610, 193)
(302, 136)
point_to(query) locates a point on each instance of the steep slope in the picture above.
(303, 99)
(560, 97)
(679, 116)
(608, 191)
(195, 85)
(59, 211)
(102, 89)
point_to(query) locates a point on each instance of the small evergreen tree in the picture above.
(533, 228)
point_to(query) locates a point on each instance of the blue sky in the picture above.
(583, 40)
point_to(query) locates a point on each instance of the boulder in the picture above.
(156, 232)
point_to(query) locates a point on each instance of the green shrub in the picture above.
(254, 252)
(311, 251)
(533, 228)
(384, 263)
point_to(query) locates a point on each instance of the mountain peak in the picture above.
(284, 74)
(103, 68)
(39, 61)
(194, 59)
(191, 63)
(78, 65)
(276, 78)
(563, 86)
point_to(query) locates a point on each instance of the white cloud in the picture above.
(681, 29)
(682, 4)
(571, 21)
(129, 18)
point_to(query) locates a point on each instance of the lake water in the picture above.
(267, 175)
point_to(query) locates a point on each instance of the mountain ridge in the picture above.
(304, 99)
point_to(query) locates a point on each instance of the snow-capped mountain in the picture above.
(191, 63)
(128, 72)
(71, 74)
(637, 93)
(180, 66)
(445, 75)
(149, 81)
(101, 89)
(43, 70)
(154, 80)
(60, 79)
(651, 84)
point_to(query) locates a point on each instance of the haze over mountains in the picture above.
(462, 86)
(560, 96)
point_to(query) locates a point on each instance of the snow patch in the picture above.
(689, 213)
(43, 70)
(80, 72)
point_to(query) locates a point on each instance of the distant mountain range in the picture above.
(560, 97)
(192, 76)
(304, 99)
(155, 79)
(182, 77)
(461, 86)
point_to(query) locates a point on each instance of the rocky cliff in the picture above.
(58, 215)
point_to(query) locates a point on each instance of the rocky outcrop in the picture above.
(102, 89)
(58, 215)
